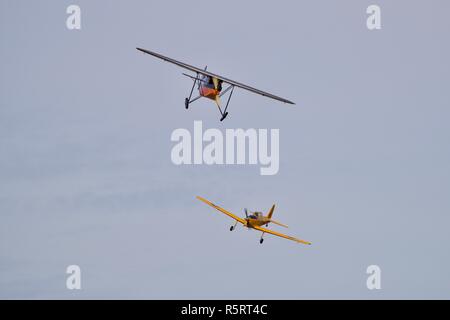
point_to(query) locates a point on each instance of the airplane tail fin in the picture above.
(271, 212)
(273, 221)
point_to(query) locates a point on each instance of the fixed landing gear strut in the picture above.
(225, 113)
(187, 101)
(233, 227)
(262, 239)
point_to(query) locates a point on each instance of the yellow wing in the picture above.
(281, 235)
(222, 210)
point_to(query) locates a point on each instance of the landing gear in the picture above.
(224, 115)
(232, 227)
(262, 239)
(217, 86)
(188, 100)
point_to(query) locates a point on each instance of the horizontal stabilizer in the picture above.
(278, 223)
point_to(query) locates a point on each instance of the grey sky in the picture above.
(85, 170)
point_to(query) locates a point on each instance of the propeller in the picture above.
(216, 83)
(216, 86)
(246, 215)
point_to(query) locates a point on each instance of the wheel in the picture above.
(224, 116)
(261, 241)
(231, 228)
(186, 103)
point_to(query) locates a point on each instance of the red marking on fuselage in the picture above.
(210, 93)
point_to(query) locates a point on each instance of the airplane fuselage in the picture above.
(207, 92)
(256, 222)
(207, 88)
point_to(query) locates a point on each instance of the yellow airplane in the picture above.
(254, 221)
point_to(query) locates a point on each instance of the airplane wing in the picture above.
(281, 235)
(222, 210)
(204, 72)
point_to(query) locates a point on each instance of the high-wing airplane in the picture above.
(210, 84)
(255, 220)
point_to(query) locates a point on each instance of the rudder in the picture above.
(271, 212)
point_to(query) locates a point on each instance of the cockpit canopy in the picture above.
(255, 215)
(208, 82)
